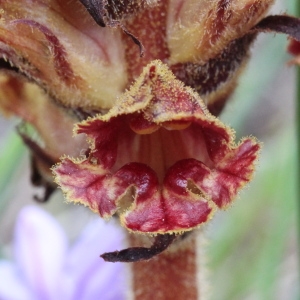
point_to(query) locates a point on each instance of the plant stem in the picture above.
(172, 275)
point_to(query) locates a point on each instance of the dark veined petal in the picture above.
(210, 26)
(60, 47)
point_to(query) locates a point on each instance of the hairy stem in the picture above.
(171, 275)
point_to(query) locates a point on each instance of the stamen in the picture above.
(176, 125)
(140, 125)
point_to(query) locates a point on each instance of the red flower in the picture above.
(158, 158)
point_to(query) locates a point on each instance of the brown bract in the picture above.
(158, 158)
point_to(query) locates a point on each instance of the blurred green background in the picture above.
(252, 247)
(253, 251)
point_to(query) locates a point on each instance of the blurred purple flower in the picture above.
(46, 268)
